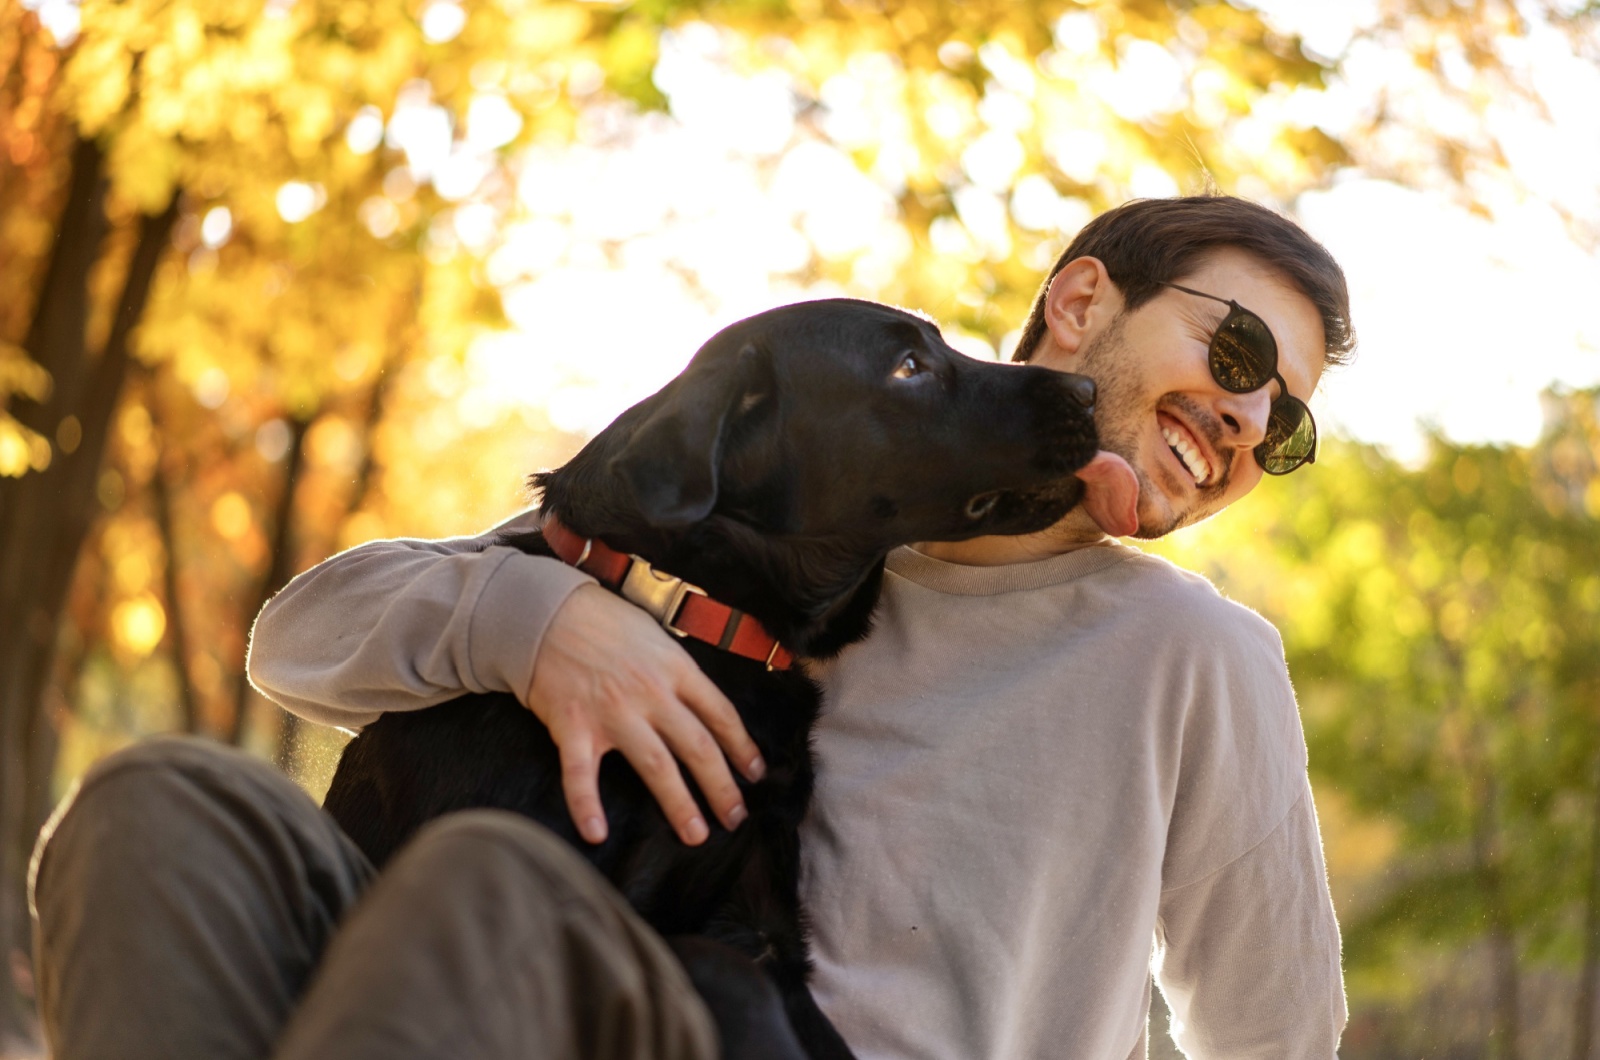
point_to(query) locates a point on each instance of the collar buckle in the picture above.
(659, 595)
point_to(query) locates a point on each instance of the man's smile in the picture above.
(1191, 454)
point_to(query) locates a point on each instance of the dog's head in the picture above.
(818, 436)
(849, 418)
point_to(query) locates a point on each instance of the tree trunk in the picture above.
(45, 516)
(1502, 931)
(402, 341)
(279, 571)
(371, 415)
(56, 340)
(1589, 975)
(177, 627)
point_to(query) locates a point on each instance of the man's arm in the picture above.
(1248, 956)
(405, 624)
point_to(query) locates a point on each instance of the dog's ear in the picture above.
(670, 463)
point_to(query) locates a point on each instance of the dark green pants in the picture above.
(191, 902)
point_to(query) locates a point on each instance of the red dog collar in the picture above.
(682, 609)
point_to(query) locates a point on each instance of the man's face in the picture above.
(1157, 395)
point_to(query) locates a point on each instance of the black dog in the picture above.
(775, 473)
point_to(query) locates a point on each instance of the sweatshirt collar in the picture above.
(961, 580)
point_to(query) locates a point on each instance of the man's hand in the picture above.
(608, 677)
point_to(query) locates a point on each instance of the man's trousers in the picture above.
(192, 902)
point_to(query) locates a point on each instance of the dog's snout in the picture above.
(1082, 389)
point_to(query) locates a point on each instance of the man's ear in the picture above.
(671, 461)
(1079, 294)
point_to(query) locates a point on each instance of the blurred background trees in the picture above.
(1440, 623)
(284, 276)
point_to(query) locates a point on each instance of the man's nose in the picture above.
(1244, 417)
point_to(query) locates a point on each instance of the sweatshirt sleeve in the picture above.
(404, 624)
(1248, 956)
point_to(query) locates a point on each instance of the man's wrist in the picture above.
(519, 599)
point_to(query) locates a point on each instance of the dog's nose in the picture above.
(1081, 387)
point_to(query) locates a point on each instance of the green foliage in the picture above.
(1441, 626)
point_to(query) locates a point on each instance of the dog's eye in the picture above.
(908, 367)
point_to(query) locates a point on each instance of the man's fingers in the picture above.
(698, 751)
(607, 676)
(650, 758)
(580, 781)
(719, 716)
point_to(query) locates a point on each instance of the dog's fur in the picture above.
(776, 472)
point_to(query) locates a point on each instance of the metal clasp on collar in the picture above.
(660, 595)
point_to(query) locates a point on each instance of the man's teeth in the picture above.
(1188, 454)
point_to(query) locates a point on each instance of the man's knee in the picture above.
(490, 923)
(176, 800)
(497, 844)
(498, 872)
(183, 896)
(149, 786)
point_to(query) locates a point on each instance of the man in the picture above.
(1053, 753)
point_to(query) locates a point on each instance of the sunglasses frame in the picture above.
(1284, 402)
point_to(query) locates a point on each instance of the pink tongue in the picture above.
(1111, 496)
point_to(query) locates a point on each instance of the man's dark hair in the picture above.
(1146, 242)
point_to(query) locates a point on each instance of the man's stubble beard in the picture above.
(1108, 360)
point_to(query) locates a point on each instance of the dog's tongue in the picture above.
(1111, 494)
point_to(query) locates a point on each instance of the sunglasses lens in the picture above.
(1291, 437)
(1244, 354)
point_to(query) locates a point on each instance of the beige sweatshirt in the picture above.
(1037, 782)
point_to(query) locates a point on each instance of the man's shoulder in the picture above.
(1186, 603)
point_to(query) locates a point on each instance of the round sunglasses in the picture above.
(1244, 357)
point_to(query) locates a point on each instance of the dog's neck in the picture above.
(814, 596)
